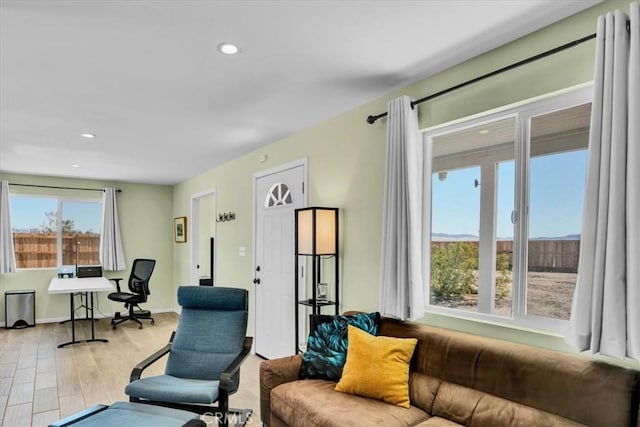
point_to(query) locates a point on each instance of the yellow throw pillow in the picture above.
(377, 367)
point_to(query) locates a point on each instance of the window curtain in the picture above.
(605, 311)
(7, 254)
(111, 252)
(402, 288)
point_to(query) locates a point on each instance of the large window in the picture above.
(51, 232)
(506, 195)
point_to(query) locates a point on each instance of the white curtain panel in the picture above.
(605, 312)
(111, 251)
(7, 254)
(402, 288)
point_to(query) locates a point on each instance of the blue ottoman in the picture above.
(131, 414)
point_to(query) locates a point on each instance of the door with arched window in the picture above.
(277, 194)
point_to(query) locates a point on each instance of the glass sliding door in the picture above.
(557, 171)
(504, 204)
(472, 189)
(454, 238)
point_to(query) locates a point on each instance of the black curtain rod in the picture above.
(62, 188)
(372, 119)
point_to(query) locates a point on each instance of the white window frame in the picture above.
(522, 112)
(59, 202)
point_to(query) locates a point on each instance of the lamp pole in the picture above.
(77, 245)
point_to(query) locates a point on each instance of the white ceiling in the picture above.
(145, 76)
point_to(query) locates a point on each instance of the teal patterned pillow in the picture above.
(327, 344)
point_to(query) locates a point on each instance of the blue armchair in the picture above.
(205, 354)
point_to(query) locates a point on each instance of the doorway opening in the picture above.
(203, 242)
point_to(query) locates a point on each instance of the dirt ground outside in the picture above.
(548, 295)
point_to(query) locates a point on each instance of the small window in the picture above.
(49, 232)
(279, 195)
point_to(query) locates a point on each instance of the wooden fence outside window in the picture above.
(39, 250)
(558, 256)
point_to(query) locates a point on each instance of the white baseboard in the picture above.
(97, 316)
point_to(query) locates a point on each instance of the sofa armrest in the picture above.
(273, 373)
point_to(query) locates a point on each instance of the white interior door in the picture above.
(276, 196)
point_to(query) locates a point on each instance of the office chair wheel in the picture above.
(140, 327)
(153, 322)
(114, 326)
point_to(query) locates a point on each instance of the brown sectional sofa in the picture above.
(461, 379)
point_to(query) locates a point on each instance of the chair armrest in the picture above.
(137, 370)
(117, 280)
(226, 378)
(273, 373)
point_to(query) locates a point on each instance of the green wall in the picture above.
(145, 213)
(346, 165)
(345, 169)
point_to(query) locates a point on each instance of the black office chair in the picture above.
(139, 287)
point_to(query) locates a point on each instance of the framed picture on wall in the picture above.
(180, 229)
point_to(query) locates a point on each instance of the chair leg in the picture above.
(135, 319)
(118, 318)
(223, 405)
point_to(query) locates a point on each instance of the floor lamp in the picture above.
(316, 235)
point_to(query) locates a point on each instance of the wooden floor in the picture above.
(40, 383)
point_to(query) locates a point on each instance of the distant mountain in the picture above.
(567, 237)
(471, 237)
(20, 230)
(447, 237)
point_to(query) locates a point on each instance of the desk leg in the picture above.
(90, 298)
(73, 323)
(83, 303)
(73, 317)
(93, 336)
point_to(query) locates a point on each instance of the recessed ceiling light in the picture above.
(484, 131)
(87, 135)
(228, 48)
(75, 166)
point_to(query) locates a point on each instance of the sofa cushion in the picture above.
(377, 367)
(327, 344)
(452, 404)
(314, 403)
(437, 422)
(423, 390)
(471, 407)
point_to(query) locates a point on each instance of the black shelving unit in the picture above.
(316, 236)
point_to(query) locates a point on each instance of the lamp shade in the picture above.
(316, 231)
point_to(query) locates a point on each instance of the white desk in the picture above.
(74, 285)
